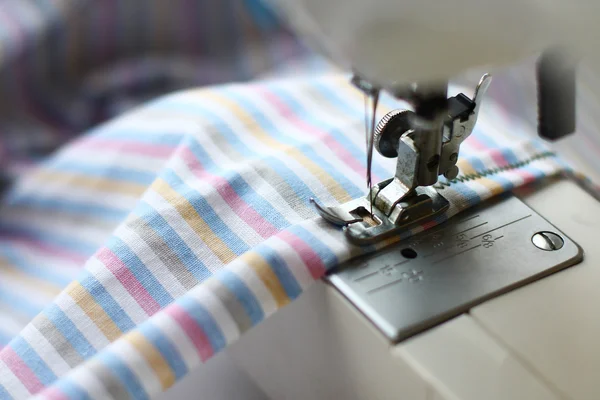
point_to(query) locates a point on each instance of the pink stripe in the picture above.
(21, 370)
(245, 211)
(501, 161)
(525, 175)
(128, 280)
(44, 248)
(497, 157)
(476, 144)
(161, 151)
(192, 330)
(53, 393)
(311, 259)
(333, 144)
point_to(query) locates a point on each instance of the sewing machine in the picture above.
(495, 303)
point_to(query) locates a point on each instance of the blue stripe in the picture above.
(20, 263)
(107, 302)
(467, 194)
(480, 166)
(69, 206)
(323, 251)
(512, 158)
(243, 294)
(160, 225)
(118, 132)
(53, 238)
(103, 171)
(166, 349)
(301, 190)
(347, 107)
(537, 173)
(279, 134)
(68, 329)
(140, 271)
(33, 360)
(4, 393)
(241, 188)
(123, 375)
(205, 320)
(206, 212)
(72, 390)
(17, 302)
(506, 152)
(280, 268)
(5, 338)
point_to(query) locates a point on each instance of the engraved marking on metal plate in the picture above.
(441, 273)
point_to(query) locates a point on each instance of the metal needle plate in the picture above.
(443, 272)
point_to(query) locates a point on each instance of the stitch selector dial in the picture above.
(389, 130)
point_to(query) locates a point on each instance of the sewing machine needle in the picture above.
(370, 134)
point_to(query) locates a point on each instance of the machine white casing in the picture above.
(536, 342)
(391, 42)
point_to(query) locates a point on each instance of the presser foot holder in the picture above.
(363, 228)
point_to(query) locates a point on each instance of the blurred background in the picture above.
(69, 65)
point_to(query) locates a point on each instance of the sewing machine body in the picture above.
(537, 341)
(494, 304)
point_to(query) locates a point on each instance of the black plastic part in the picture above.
(556, 79)
(387, 145)
(460, 106)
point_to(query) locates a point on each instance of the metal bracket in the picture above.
(438, 274)
(362, 227)
(425, 148)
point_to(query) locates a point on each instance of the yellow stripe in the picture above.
(466, 169)
(194, 220)
(93, 310)
(153, 357)
(336, 190)
(267, 276)
(91, 182)
(8, 272)
(494, 187)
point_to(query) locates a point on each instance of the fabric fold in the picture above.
(225, 235)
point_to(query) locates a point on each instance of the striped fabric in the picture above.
(66, 65)
(148, 244)
(217, 232)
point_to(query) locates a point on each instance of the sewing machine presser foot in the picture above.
(426, 143)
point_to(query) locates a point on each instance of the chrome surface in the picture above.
(548, 241)
(441, 273)
(426, 143)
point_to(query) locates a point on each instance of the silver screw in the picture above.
(452, 172)
(547, 241)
